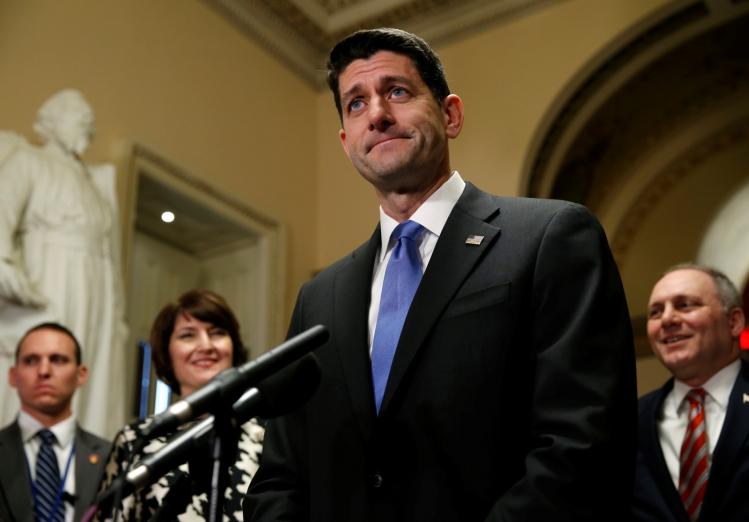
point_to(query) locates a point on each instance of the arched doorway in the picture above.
(653, 136)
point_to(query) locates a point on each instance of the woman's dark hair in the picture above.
(203, 305)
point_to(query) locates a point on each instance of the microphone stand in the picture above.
(223, 441)
(221, 432)
(176, 500)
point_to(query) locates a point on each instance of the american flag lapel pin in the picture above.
(745, 398)
(474, 240)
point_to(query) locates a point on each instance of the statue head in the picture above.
(67, 119)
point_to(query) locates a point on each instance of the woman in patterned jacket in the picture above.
(192, 340)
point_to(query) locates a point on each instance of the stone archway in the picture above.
(653, 136)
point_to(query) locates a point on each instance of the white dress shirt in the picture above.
(432, 214)
(65, 433)
(672, 425)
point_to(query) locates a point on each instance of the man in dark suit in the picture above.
(47, 372)
(480, 364)
(693, 459)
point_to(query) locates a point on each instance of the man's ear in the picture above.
(12, 376)
(342, 137)
(452, 107)
(737, 321)
(82, 375)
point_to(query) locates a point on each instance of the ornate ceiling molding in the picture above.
(301, 32)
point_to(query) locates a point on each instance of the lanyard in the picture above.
(60, 489)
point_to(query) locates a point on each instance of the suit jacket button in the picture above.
(376, 480)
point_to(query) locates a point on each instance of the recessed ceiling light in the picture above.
(167, 216)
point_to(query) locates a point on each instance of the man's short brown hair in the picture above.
(57, 327)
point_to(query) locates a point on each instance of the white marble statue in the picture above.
(59, 255)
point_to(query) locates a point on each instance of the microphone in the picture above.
(228, 385)
(277, 395)
(280, 393)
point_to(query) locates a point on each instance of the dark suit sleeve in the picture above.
(580, 461)
(4, 509)
(277, 490)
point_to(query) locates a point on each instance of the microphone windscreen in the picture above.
(287, 390)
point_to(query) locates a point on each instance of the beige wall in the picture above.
(175, 76)
(178, 78)
(508, 76)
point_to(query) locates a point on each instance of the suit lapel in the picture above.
(452, 261)
(650, 446)
(89, 461)
(353, 286)
(733, 437)
(15, 478)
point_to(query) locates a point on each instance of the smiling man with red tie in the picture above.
(693, 463)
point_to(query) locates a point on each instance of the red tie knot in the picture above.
(696, 397)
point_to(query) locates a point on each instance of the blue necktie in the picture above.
(47, 480)
(402, 278)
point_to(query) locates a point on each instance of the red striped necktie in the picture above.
(694, 459)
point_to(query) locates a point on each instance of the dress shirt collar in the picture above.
(63, 430)
(718, 387)
(432, 214)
